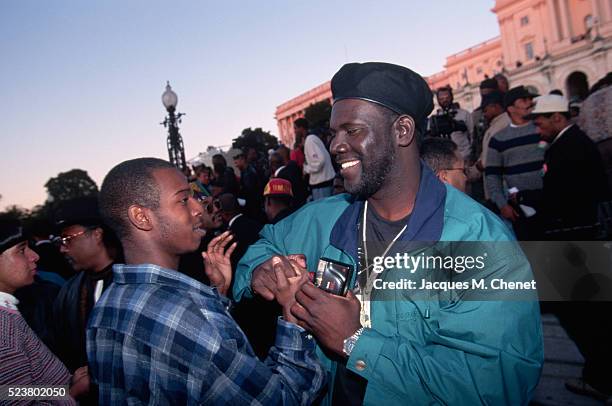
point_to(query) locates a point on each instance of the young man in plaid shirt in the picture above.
(159, 337)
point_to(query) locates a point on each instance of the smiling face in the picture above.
(17, 267)
(363, 144)
(178, 218)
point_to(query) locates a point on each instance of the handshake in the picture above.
(329, 317)
(282, 278)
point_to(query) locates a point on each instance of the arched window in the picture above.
(577, 86)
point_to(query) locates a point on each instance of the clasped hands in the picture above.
(330, 318)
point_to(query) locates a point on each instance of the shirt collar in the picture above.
(561, 133)
(154, 274)
(519, 126)
(425, 223)
(497, 118)
(229, 224)
(8, 301)
(276, 172)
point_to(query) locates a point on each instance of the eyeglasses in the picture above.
(209, 205)
(464, 170)
(66, 239)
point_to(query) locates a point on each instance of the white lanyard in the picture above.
(366, 292)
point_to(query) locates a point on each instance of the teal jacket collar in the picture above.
(425, 223)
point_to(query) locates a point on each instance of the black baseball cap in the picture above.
(82, 211)
(518, 92)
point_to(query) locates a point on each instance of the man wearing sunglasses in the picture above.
(443, 158)
(91, 248)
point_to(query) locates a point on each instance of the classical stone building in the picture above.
(543, 44)
(293, 109)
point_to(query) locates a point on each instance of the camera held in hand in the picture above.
(333, 276)
(443, 124)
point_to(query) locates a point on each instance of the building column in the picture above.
(606, 11)
(555, 34)
(566, 21)
(597, 11)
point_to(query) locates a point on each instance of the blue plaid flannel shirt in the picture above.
(159, 337)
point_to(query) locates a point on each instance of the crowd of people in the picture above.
(196, 287)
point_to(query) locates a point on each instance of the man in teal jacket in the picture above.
(398, 346)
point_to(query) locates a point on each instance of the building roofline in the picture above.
(308, 95)
(490, 43)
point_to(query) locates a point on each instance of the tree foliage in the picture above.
(14, 212)
(69, 185)
(258, 138)
(318, 114)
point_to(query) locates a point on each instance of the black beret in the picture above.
(11, 233)
(82, 211)
(392, 86)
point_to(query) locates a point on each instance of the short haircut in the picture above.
(280, 200)
(229, 203)
(283, 148)
(219, 157)
(444, 89)
(203, 169)
(275, 156)
(129, 183)
(438, 153)
(302, 123)
(240, 156)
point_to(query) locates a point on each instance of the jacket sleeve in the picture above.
(269, 244)
(315, 156)
(290, 375)
(475, 352)
(494, 173)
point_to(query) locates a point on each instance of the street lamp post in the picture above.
(176, 150)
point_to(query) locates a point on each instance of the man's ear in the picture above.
(98, 233)
(140, 217)
(442, 176)
(406, 130)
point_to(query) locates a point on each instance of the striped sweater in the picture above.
(24, 359)
(513, 160)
